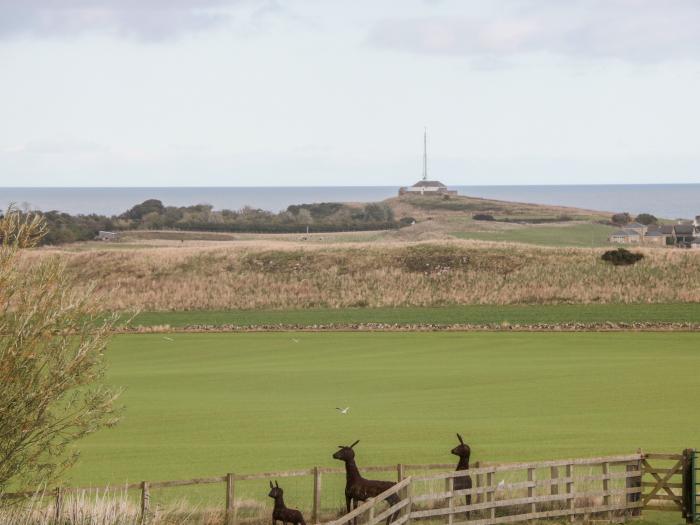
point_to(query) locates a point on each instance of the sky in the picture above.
(331, 92)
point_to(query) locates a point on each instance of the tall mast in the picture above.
(425, 154)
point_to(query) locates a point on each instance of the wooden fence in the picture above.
(609, 488)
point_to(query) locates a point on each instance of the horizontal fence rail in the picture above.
(608, 488)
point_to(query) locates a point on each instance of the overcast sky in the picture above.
(331, 92)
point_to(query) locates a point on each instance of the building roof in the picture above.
(429, 184)
(635, 226)
(667, 229)
(654, 233)
(684, 229)
(625, 233)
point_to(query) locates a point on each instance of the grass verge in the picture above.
(469, 314)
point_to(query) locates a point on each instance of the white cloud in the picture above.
(56, 147)
(147, 20)
(641, 31)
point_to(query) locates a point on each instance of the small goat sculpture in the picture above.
(280, 512)
(358, 488)
(463, 482)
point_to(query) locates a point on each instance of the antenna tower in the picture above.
(425, 154)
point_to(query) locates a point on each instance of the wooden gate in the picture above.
(662, 482)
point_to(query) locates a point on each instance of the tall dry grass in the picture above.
(381, 274)
(108, 507)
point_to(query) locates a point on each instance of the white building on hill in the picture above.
(425, 186)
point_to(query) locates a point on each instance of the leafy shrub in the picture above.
(622, 257)
(646, 219)
(620, 219)
(483, 217)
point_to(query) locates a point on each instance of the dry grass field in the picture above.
(275, 274)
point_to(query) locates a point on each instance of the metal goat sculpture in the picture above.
(462, 482)
(358, 488)
(280, 512)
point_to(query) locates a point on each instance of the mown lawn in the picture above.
(468, 314)
(206, 404)
(584, 235)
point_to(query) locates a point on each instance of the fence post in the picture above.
(688, 492)
(479, 483)
(230, 498)
(634, 482)
(400, 474)
(409, 497)
(571, 503)
(490, 494)
(554, 474)
(58, 510)
(606, 489)
(531, 488)
(317, 495)
(145, 501)
(450, 486)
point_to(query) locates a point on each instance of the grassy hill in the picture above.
(423, 206)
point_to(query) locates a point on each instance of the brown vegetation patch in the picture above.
(286, 275)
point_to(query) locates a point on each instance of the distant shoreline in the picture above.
(662, 200)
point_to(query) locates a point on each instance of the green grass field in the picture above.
(584, 235)
(256, 402)
(205, 404)
(466, 314)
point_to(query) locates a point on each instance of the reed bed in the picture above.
(272, 276)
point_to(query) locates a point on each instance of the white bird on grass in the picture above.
(343, 410)
(168, 339)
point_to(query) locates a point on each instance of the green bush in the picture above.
(646, 219)
(622, 257)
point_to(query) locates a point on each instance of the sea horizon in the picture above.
(671, 200)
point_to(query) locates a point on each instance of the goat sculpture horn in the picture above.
(355, 443)
(276, 484)
(271, 485)
(460, 439)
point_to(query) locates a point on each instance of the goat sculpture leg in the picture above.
(392, 500)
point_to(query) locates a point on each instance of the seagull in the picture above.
(343, 410)
(501, 484)
(295, 340)
(168, 339)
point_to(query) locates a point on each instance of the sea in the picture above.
(669, 201)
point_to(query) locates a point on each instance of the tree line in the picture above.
(152, 214)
